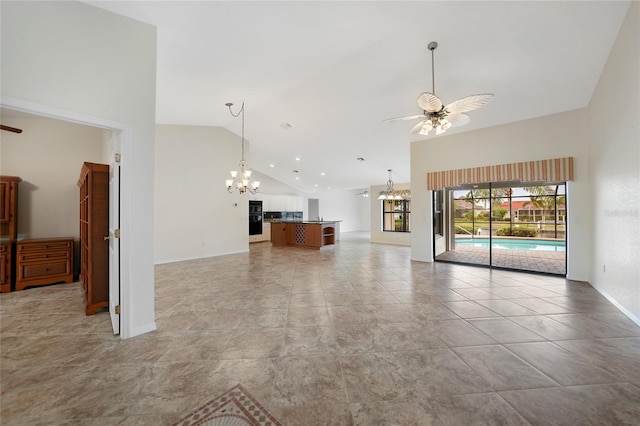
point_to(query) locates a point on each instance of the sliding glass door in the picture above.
(506, 225)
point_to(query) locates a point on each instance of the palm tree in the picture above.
(544, 198)
(485, 195)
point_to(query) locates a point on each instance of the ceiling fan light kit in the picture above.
(436, 115)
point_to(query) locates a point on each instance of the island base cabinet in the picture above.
(279, 234)
(303, 234)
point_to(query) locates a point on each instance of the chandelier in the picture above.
(241, 181)
(391, 194)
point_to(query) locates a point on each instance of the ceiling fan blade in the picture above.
(429, 102)
(417, 127)
(409, 117)
(458, 120)
(469, 103)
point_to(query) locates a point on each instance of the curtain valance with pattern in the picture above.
(553, 170)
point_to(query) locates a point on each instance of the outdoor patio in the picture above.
(549, 262)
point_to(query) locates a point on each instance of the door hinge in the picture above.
(116, 233)
(118, 158)
(117, 309)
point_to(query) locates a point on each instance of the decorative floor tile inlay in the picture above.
(235, 407)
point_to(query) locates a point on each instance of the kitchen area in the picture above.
(260, 221)
(288, 228)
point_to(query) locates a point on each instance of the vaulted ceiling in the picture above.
(319, 78)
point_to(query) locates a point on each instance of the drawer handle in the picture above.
(46, 269)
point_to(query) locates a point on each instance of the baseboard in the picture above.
(615, 303)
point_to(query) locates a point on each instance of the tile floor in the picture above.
(354, 334)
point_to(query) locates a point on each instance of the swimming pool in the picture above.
(513, 244)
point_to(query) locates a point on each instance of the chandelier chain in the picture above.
(242, 121)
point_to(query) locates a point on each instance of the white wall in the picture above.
(377, 235)
(344, 205)
(271, 186)
(614, 167)
(558, 135)
(195, 216)
(48, 156)
(75, 61)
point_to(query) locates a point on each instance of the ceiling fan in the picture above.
(436, 115)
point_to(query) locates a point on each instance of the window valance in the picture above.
(553, 170)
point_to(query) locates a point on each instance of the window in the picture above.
(396, 215)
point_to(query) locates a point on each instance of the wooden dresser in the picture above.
(94, 227)
(44, 261)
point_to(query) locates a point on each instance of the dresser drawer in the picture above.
(43, 256)
(39, 270)
(46, 246)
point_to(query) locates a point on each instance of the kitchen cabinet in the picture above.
(303, 234)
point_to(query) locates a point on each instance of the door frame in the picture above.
(126, 197)
(114, 229)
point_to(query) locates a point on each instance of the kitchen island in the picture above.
(307, 234)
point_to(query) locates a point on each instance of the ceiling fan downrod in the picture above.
(432, 46)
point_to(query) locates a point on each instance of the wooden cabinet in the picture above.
(9, 208)
(94, 227)
(5, 266)
(44, 261)
(303, 234)
(279, 234)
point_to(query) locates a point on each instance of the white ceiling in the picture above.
(335, 70)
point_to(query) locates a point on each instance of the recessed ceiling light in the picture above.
(297, 177)
(297, 158)
(321, 173)
(315, 184)
(271, 165)
(286, 126)
(360, 159)
(295, 171)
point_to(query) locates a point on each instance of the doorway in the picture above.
(120, 141)
(507, 225)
